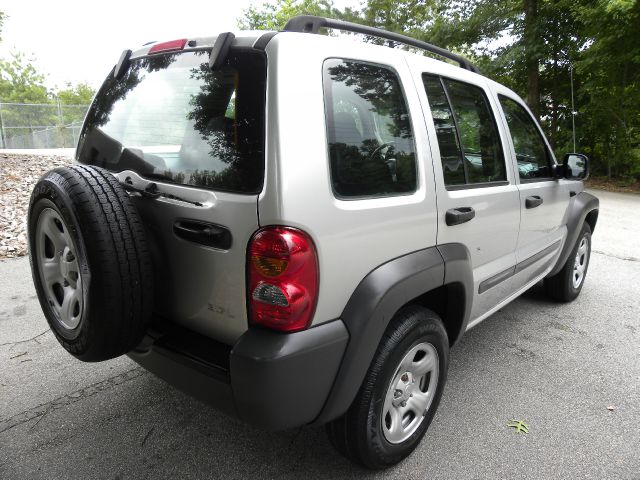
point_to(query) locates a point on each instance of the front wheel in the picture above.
(400, 393)
(566, 285)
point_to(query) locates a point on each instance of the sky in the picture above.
(80, 40)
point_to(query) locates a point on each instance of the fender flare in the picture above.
(585, 207)
(379, 296)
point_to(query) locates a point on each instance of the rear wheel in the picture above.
(90, 263)
(566, 285)
(399, 395)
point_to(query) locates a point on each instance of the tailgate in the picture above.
(188, 142)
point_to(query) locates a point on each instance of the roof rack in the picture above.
(311, 24)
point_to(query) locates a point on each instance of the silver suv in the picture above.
(297, 228)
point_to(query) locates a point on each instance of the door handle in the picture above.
(533, 202)
(456, 216)
(203, 233)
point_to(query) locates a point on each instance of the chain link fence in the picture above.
(31, 125)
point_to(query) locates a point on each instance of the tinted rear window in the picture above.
(171, 118)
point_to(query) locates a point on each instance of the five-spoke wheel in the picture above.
(58, 268)
(410, 393)
(581, 261)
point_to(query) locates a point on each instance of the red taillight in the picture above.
(168, 46)
(282, 274)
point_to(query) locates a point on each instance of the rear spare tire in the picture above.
(90, 263)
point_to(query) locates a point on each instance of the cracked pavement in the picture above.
(570, 372)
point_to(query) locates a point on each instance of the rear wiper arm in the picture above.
(151, 191)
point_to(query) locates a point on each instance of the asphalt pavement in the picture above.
(570, 372)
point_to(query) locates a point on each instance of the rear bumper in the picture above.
(272, 380)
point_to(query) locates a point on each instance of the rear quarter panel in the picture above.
(352, 237)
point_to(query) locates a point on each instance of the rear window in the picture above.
(173, 119)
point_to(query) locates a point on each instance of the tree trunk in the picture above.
(531, 55)
(608, 159)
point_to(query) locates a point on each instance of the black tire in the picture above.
(561, 287)
(359, 434)
(115, 290)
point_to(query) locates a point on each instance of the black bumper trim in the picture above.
(269, 379)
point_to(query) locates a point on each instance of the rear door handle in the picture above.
(533, 202)
(456, 216)
(204, 233)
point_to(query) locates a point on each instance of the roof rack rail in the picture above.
(311, 24)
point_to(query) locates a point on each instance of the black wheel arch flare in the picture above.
(381, 294)
(583, 208)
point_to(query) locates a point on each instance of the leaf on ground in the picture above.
(519, 426)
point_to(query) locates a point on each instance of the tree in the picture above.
(80, 94)
(609, 69)
(2, 17)
(533, 47)
(72, 102)
(274, 15)
(20, 82)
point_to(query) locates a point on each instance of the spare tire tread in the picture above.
(105, 222)
(115, 218)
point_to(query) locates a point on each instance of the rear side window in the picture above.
(470, 148)
(371, 146)
(170, 117)
(534, 161)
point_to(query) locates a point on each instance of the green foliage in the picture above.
(609, 73)
(20, 82)
(80, 94)
(2, 17)
(531, 46)
(274, 15)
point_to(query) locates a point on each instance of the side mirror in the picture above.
(575, 166)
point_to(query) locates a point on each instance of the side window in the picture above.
(534, 161)
(470, 148)
(450, 150)
(371, 147)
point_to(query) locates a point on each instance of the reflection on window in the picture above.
(531, 152)
(470, 148)
(450, 151)
(171, 117)
(371, 144)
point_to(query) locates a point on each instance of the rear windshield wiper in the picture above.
(151, 191)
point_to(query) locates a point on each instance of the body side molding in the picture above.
(517, 268)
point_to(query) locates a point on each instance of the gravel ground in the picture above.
(18, 174)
